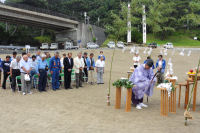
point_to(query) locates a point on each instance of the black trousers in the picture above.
(85, 74)
(67, 79)
(5, 76)
(42, 80)
(15, 73)
(136, 101)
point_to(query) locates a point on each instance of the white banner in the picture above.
(144, 26)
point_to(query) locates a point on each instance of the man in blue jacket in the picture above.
(0, 70)
(160, 65)
(101, 54)
(55, 68)
(6, 71)
(90, 67)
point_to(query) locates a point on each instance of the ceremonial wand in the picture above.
(151, 83)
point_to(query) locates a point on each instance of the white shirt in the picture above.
(25, 64)
(160, 63)
(14, 64)
(78, 63)
(100, 63)
(61, 62)
(136, 59)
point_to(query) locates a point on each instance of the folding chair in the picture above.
(36, 81)
(18, 85)
(62, 78)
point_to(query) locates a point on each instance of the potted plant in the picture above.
(127, 84)
(118, 84)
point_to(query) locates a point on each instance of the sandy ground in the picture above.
(84, 110)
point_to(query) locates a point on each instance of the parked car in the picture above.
(153, 45)
(111, 44)
(54, 46)
(92, 45)
(69, 45)
(44, 46)
(120, 44)
(169, 45)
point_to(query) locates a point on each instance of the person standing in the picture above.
(136, 60)
(90, 67)
(38, 57)
(79, 65)
(55, 68)
(160, 65)
(101, 54)
(25, 69)
(34, 66)
(62, 59)
(144, 83)
(100, 64)
(14, 56)
(149, 57)
(85, 67)
(0, 70)
(42, 73)
(14, 72)
(29, 57)
(68, 65)
(6, 70)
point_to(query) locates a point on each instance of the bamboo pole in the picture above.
(118, 98)
(128, 100)
(161, 103)
(188, 105)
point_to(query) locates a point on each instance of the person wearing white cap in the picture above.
(136, 60)
(42, 73)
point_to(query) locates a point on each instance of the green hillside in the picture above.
(178, 39)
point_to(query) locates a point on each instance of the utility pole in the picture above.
(129, 24)
(144, 26)
(85, 15)
(98, 20)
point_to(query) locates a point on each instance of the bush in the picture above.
(43, 39)
(137, 37)
(94, 39)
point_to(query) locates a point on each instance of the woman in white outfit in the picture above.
(100, 64)
(136, 60)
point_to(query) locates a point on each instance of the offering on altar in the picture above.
(168, 86)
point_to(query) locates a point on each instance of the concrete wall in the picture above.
(82, 34)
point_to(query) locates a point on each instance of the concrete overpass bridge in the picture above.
(65, 28)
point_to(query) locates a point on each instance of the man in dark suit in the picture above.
(68, 65)
(85, 68)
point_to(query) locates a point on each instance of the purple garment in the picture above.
(142, 77)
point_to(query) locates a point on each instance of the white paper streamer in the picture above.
(189, 53)
(132, 50)
(182, 52)
(150, 51)
(145, 50)
(173, 52)
(165, 52)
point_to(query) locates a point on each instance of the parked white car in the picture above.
(169, 45)
(44, 46)
(111, 44)
(54, 46)
(120, 44)
(91, 45)
(69, 45)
